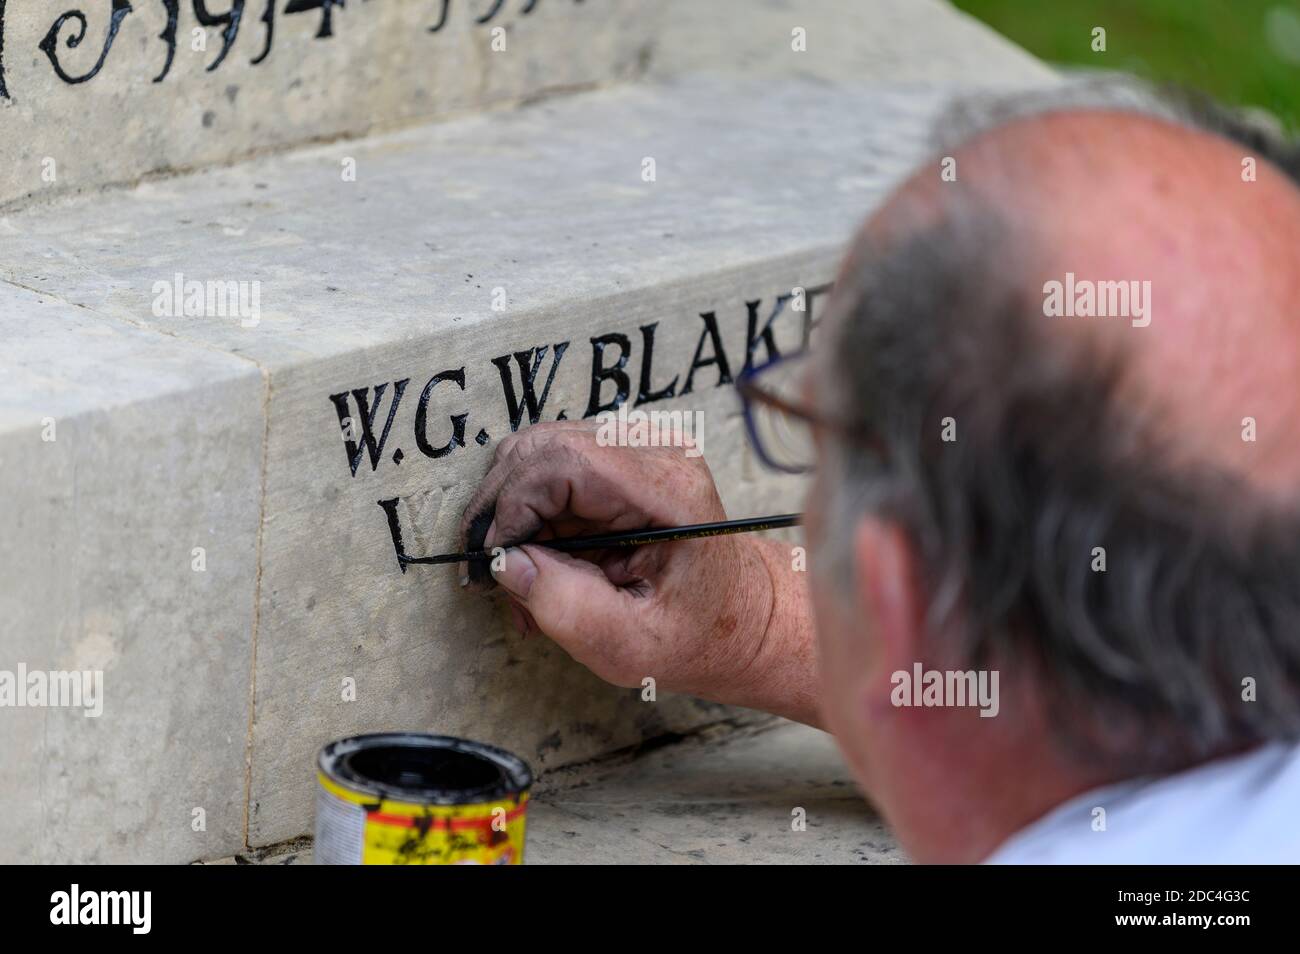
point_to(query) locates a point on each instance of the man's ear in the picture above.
(888, 591)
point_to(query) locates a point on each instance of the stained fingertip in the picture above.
(476, 571)
(478, 527)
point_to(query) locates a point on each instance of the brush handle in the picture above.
(632, 538)
(668, 534)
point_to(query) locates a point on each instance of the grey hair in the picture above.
(968, 116)
(1142, 664)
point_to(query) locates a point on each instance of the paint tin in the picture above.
(403, 798)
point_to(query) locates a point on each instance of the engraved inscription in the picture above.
(376, 425)
(72, 27)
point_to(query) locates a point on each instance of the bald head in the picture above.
(1106, 196)
(1110, 502)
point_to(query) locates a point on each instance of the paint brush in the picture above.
(631, 538)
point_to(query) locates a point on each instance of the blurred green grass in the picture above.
(1244, 52)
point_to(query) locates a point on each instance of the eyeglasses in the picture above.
(781, 428)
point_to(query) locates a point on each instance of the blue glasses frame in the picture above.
(752, 393)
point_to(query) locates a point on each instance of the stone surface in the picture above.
(546, 204)
(380, 67)
(460, 248)
(335, 603)
(98, 571)
(730, 798)
(281, 82)
(390, 279)
(722, 796)
(876, 41)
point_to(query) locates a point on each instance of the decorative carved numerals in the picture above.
(326, 8)
(442, 17)
(168, 36)
(51, 41)
(480, 11)
(230, 19)
(268, 17)
(491, 12)
(494, 7)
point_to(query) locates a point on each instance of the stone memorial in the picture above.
(276, 276)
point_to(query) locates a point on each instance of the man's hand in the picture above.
(702, 616)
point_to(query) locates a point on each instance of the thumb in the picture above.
(571, 600)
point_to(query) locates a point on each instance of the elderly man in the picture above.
(1053, 413)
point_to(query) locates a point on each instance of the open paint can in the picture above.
(403, 798)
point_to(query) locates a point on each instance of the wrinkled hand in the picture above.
(692, 614)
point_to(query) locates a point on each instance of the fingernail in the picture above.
(463, 569)
(516, 573)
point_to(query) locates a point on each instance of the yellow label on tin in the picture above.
(356, 828)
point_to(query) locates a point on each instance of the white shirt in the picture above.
(1244, 809)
